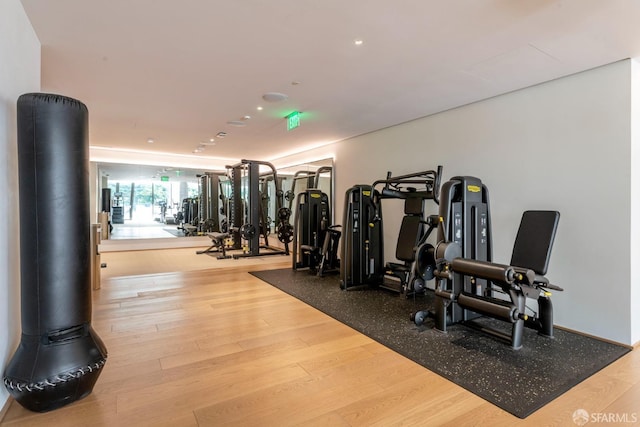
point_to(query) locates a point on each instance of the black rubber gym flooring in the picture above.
(519, 382)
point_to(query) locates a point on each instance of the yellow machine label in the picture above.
(366, 193)
(315, 195)
(473, 188)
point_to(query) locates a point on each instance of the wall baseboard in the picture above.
(630, 347)
(119, 245)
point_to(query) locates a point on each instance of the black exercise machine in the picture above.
(361, 249)
(468, 282)
(187, 217)
(212, 214)
(329, 261)
(412, 235)
(311, 220)
(247, 229)
(117, 208)
(315, 240)
(362, 252)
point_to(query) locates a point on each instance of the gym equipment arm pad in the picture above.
(491, 271)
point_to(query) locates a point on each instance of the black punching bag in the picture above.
(60, 356)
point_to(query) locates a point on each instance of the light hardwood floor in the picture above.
(215, 346)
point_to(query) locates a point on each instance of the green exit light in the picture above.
(293, 120)
(164, 178)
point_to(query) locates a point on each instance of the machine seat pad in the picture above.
(218, 237)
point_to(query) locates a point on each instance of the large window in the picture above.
(147, 201)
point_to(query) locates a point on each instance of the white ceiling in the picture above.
(178, 71)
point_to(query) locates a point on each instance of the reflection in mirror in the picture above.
(149, 201)
(296, 179)
(161, 202)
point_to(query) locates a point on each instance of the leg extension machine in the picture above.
(468, 280)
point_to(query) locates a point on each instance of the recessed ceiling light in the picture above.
(208, 143)
(211, 140)
(358, 42)
(274, 97)
(259, 108)
(246, 117)
(150, 140)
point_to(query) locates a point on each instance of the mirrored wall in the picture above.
(164, 202)
(296, 179)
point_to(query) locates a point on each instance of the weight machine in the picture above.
(187, 217)
(209, 214)
(248, 224)
(117, 208)
(362, 251)
(315, 240)
(267, 190)
(468, 282)
(212, 215)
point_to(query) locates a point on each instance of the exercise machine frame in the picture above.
(253, 226)
(468, 280)
(315, 239)
(362, 250)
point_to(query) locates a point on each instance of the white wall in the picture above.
(563, 145)
(635, 201)
(19, 73)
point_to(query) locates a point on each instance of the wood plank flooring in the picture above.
(216, 346)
